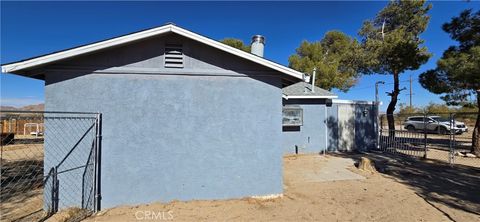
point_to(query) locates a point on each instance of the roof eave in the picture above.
(309, 97)
(238, 52)
(17, 67)
(44, 60)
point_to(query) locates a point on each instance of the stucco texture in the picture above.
(311, 136)
(325, 129)
(177, 136)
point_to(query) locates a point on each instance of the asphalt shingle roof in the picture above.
(298, 89)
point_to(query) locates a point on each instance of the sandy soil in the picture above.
(21, 192)
(388, 196)
(24, 207)
(18, 152)
(412, 144)
(443, 156)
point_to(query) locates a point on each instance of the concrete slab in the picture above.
(335, 169)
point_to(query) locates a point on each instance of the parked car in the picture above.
(436, 124)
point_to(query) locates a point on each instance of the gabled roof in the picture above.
(303, 90)
(169, 28)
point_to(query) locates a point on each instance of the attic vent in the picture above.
(173, 56)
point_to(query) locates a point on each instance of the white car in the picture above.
(436, 124)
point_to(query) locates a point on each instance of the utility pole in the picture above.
(411, 107)
(376, 92)
(377, 110)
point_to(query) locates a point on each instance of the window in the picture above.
(416, 119)
(292, 116)
(173, 56)
(440, 119)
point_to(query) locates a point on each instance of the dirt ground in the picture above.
(405, 190)
(438, 146)
(443, 156)
(21, 191)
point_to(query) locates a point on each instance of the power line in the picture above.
(411, 92)
(388, 83)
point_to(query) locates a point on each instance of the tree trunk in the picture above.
(392, 104)
(476, 131)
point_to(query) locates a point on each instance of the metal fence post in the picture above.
(94, 178)
(425, 136)
(454, 144)
(451, 138)
(97, 164)
(55, 190)
(377, 127)
(380, 125)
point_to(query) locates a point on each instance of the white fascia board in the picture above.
(342, 101)
(309, 97)
(237, 52)
(85, 49)
(146, 34)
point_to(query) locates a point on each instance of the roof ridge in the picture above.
(134, 36)
(297, 90)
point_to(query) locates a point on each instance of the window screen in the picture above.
(292, 116)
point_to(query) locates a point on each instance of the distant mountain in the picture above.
(8, 108)
(37, 107)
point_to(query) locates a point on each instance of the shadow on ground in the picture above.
(21, 185)
(19, 177)
(454, 186)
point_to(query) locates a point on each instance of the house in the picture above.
(315, 121)
(184, 116)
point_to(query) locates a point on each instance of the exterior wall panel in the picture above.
(365, 133)
(348, 127)
(148, 55)
(311, 136)
(177, 137)
(333, 133)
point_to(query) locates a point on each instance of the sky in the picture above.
(34, 28)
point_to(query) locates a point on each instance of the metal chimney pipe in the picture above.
(258, 45)
(313, 79)
(306, 79)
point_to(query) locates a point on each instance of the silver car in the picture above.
(436, 124)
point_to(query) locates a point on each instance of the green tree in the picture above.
(406, 110)
(236, 43)
(457, 75)
(434, 108)
(335, 57)
(393, 45)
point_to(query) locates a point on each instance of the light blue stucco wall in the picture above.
(311, 136)
(333, 132)
(212, 131)
(365, 132)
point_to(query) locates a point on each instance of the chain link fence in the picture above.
(48, 165)
(443, 137)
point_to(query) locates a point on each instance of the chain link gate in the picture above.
(443, 137)
(49, 163)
